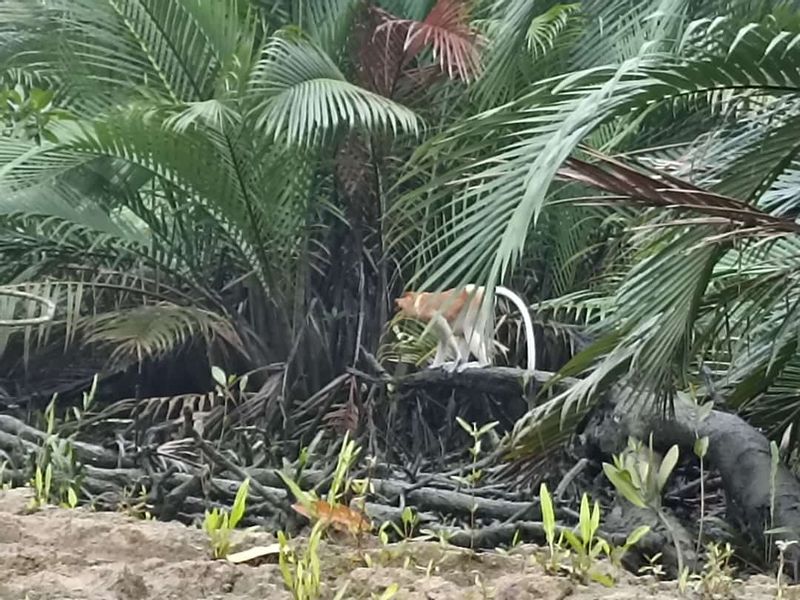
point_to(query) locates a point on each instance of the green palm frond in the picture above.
(329, 22)
(152, 331)
(178, 49)
(625, 29)
(782, 199)
(304, 98)
(51, 181)
(659, 327)
(765, 158)
(520, 40)
(410, 342)
(583, 306)
(545, 28)
(777, 404)
(507, 192)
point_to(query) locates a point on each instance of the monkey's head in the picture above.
(405, 303)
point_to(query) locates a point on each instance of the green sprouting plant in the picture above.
(773, 474)
(387, 594)
(225, 385)
(716, 579)
(57, 473)
(583, 547)
(42, 481)
(586, 546)
(28, 112)
(475, 475)
(138, 507)
(618, 552)
(301, 571)
(86, 401)
(653, 566)
(409, 521)
(442, 536)
(782, 545)
(219, 524)
(476, 433)
(347, 456)
(340, 484)
(639, 477)
(700, 450)
(556, 553)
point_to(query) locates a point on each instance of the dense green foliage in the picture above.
(267, 176)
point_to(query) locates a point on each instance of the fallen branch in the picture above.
(492, 380)
(15, 435)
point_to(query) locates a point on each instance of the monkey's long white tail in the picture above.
(526, 318)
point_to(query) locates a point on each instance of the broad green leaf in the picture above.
(667, 465)
(701, 446)
(636, 535)
(72, 497)
(621, 481)
(219, 376)
(548, 514)
(239, 503)
(573, 541)
(602, 578)
(585, 520)
(595, 518)
(303, 497)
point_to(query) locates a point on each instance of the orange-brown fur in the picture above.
(424, 305)
(459, 320)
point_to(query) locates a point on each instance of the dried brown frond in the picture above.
(630, 184)
(346, 417)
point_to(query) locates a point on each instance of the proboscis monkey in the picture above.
(461, 323)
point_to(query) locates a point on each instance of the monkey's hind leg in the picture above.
(446, 340)
(477, 345)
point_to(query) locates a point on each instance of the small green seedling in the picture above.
(717, 577)
(58, 474)
(42, 481)
(640, 478)
(476, 433)
(409, 521)
(653, 567)
(219, 524)
(584, 547)
(301, 571)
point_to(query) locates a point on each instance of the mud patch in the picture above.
(58, 554)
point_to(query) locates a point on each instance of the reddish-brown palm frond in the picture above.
(660, 189)
(446, 29)
(380, 51)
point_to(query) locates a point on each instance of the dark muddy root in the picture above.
(737, 451)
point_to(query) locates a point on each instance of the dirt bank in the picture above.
(83, 555)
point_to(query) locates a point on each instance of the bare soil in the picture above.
(79, 554)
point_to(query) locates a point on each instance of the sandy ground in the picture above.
(82, 555)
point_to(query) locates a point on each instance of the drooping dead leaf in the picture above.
(340, 517)
(630, 183)
(447, 31)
